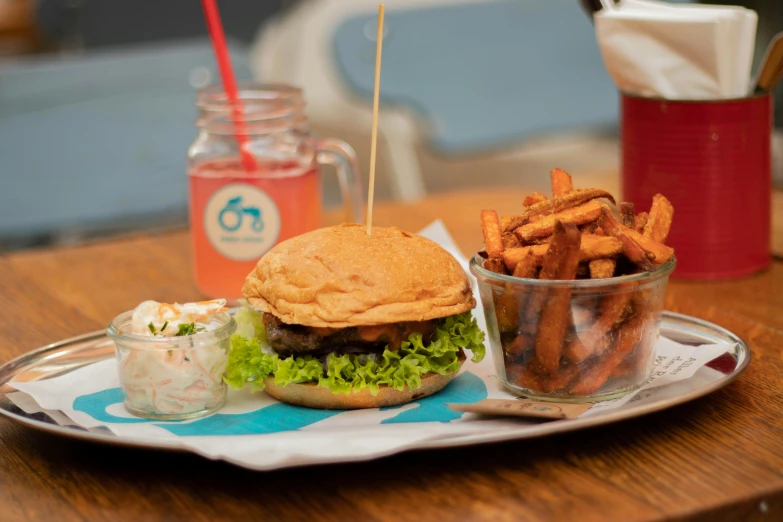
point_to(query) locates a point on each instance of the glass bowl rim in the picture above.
(482, 274)
(114, 331)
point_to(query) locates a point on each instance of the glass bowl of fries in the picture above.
(573, 292)
(580, 340)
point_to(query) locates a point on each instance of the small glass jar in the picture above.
(172, 378)
(583, 340)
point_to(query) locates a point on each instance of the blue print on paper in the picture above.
(466, 388)
(272, 419)
(96, 403)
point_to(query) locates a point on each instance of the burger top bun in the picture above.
(340, 277)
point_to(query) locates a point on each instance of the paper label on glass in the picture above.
(241, 221)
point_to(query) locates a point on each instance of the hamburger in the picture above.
(338, 319)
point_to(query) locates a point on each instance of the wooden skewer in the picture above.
(378, 51)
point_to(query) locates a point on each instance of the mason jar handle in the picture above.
(343, 158)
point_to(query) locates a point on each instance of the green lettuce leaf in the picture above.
(249, 365)
(250, 323)
(304, 368)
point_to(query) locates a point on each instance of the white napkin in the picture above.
(678, 51)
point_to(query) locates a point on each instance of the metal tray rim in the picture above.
(7, 373)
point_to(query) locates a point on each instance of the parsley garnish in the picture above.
(188, 329)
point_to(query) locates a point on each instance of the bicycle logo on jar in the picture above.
(241, 222)
(232, 215)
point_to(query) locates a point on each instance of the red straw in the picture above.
(227, 74)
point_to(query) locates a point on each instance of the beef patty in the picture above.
(292, 339)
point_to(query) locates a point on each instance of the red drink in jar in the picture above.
(237, 215)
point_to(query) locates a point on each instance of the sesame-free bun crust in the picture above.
(340, 277)
(310, 395)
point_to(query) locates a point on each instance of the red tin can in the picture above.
(712, 160)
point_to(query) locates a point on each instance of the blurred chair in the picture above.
(463, 77)
(99, 142)
(19, 31)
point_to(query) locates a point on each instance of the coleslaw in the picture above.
(171, 357)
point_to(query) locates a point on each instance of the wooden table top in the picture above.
(719, 457)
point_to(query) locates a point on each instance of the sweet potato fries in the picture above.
(560, 338)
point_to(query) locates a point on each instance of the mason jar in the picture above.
(255, 180)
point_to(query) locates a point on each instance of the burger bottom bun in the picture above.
(310, 395)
